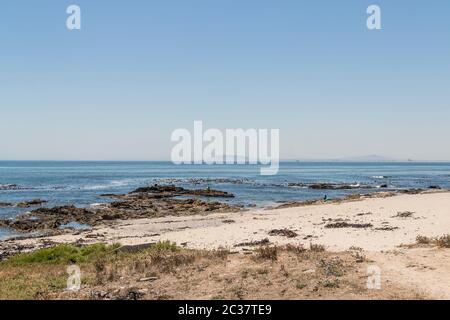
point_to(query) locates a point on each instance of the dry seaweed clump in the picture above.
(441, 242)
(444, 241)
(344, 224)
(267, 253)
(405, 214)
(316, 247)
(283, 232)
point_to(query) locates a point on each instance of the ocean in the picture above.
(81, 183)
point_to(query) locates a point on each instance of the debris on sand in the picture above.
(406, 214)
(386, 228)
(295, 204)
(262, 242)
(411, 191)
(283, 233)
(228, 221)
(338, 225)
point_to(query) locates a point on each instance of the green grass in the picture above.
(62, 254)
(31, 283)
(43, 273)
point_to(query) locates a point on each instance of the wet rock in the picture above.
(171, 190)
(206, 180)
(5, 204)
(296, 184)
(31, 203)
(332, 186)
(9, 187)
(411, 191)
(48, 218)
(159, 189)
(149, 202)
(435, 187)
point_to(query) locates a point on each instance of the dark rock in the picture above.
(411, 191)
(171, 190)
(158, 189)
(9, 187)
(31, 203)
(151, 202)
(332, 186)
(296, 184)
(5, 204)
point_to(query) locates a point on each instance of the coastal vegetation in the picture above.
(167, 271)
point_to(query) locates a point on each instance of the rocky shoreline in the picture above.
(147, 202)
(159, 213)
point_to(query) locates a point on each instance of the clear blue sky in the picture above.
(140, 69)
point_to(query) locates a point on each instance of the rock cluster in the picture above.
(148, 202)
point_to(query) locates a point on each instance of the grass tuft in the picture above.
(267, 253)
(444, 241)
(317, 247)
(62, 254)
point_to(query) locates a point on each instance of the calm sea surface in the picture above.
(82, 183)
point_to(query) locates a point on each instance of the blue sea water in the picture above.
(82, 183)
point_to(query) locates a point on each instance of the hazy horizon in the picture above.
(361, 159)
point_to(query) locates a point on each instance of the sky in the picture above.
(139, 69)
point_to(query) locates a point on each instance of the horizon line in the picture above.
(281, 160)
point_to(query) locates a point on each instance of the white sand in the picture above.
(431, 217)
(425, 271)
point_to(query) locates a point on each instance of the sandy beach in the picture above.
(374, 224)
(383, 229)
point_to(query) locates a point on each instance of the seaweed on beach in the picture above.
(228, 221)
(339, 225)
(255, 243)
(405, 214)
(283, 232)
(364, 214)
(386, 228)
